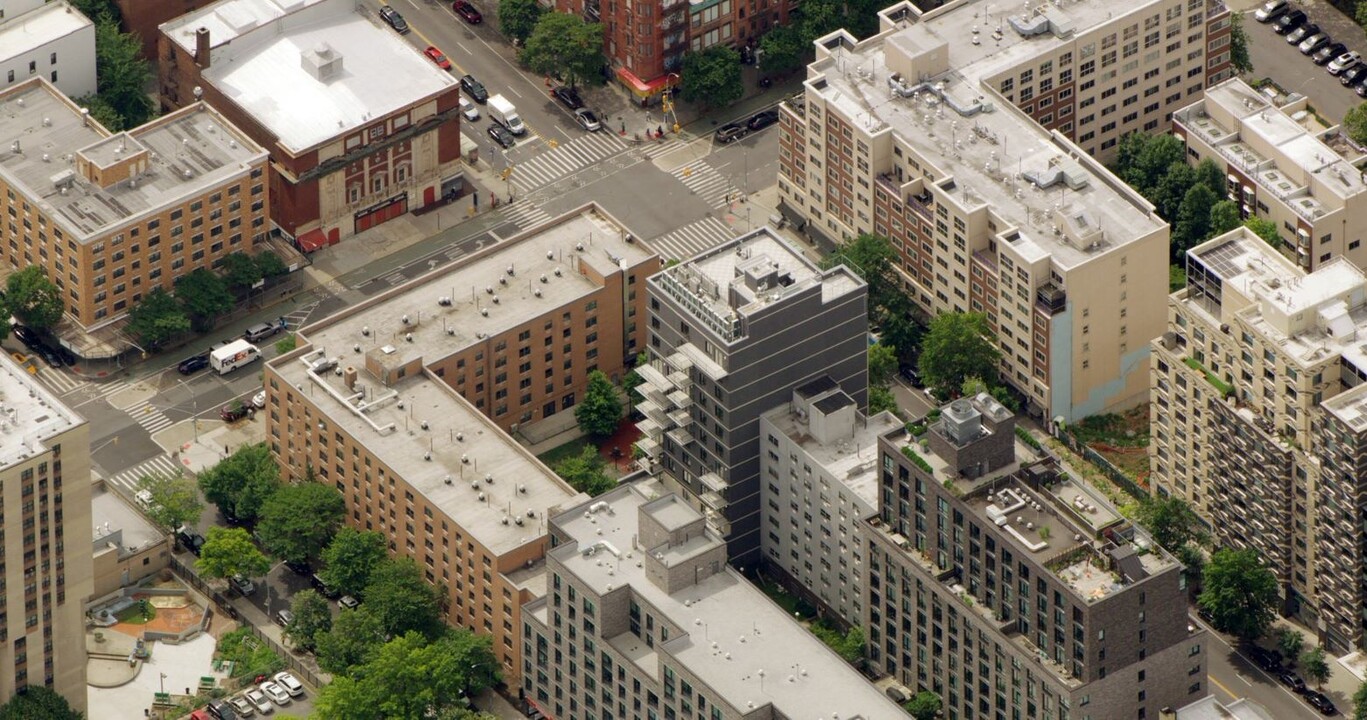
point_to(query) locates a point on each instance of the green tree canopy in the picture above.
(403, 600)
(925, 705)
(350, 558)
(123, 75)
(1355, 121)
(299, 520)
(270, 264)
(1315, 666)
(566, 46)
(228, 552)
(1171, 521)
(204, 296)
(1238, 44)
(241, 482)
(872, 258)
(712, 77)
(156, 318)
(1265, 229)
(33, 299)
(1193, 221)
(882, 364)
(958, 346)
(1143, 160)
(784, 49)
(586, 472)
(1239, 593)
(312, 617)
(1360, 697)
(174, 499)
(1224, 216)
(601, 409)
(240, 270)
(517, 18)
(1290, 642)
(411, 678)
(632, 380)
(35, 702)
(354, 637)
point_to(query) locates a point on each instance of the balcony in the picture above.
(1051, 299)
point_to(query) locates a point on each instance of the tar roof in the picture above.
(737, 641)
(485, 299)
(29, 414)
(971, 134)
(482, 479)
(23, 33)
(189, 151)
(263, 68)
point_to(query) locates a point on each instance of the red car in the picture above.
(437, 57)
(467, 12)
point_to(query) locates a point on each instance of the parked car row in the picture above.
(262, 698)
(1315, 43)
(732, 132)
(1271, 661)
(51, 351)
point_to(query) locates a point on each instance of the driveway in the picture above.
(1273, 58)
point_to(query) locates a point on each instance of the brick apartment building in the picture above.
(360, 128)
(143, 17)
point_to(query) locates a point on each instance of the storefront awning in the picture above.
(312, 240)
(639, 87)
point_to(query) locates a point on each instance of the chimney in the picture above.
(202, 48)
(349, 376)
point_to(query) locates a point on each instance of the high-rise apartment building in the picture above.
(642, 617)
(110, 216)
(51, 40)
(1279, 170)
(1254, 418)
(46, 558)
(1012, 589)
(966, 135)
(819, 461)
(732, 332)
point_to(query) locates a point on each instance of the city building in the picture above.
(820, 475)
(1280, 170)
(1255, 417)
(1012, 589)
(360, 127)
(52, 40)
(110, 216)
(732, 332)
(126, 546)
(1210, 708)
(143, 17)
(45, 493)
(967, 135)
(643, 618)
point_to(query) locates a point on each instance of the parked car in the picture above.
(468, 109)
(1288, 22)
(24, 335)
(1321, 702)
(322, 587)
(1328, 52)
(761, 120)
(394, 19)
(284, 617)
(467, 12)
(290, 683)
(1290, 679)
(1314, 42)
(68, 357)
(501, 135)
(258, 700)
(1350, 76)
(242, 585)
(190, 540)
(1360, 87)
(259, 400)
(1269, 660)
(437, 57)
(49, 355)
(568, 96)
(276, 693)
(1271, 10)
(1304, 31)
(349, 602)
(587, 120)
(731, 132)
(261, 331)
(1345, 61)
(222, 710)
(474, 88)
(234, 411)
(242, 706)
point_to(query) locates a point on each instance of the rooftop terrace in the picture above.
(29, 415)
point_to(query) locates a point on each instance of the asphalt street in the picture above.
(1232, 676)
(1272, 57)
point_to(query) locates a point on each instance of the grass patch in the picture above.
(138, 613)
(1130, 429)
(570, 449)
(250, 656)
(1225, 388)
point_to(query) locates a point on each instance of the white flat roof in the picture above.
(21, 34)
(852, 461)
(29, 414)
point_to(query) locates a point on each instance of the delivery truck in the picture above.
(505, 114)
(233, 356)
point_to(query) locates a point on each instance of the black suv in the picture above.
(1269, 660)
(568, 96)
(191, 365)
(474, 88)
(221, 710)
(394, 19)
(1321, 702)
(1289, 22)
(762, 119)
(190, 540)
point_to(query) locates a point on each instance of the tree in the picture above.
(712, 77)
(33, 299)
(354, 637)
(1193, 221)
(312, 617)
(1265, 229)
(240, 270)
(1314, 666)
(123, 75)
(204, 295)
(585, 472)
(350, 558)
(820, 17)
(902, 333)
(783, 50)
(882, 364)
(881, 399)
(35, 702)
(270, 264)
(1167, 195)
(1144, 160)
(241, 482)
(102, 112)
(157, 318)
(872, 258)
(1193, 565)
(517, 18)
(1224, 216)
(1238, 44)
(298, 521)
(1211, 175)
(411, 678)
(601, 410)
(403, 600)
(633, 379)
(1239, 593)
(1290, 642)
(228, 552)
(925, 705)
(174, 499)
(1360, 697)
(958, 346)
(1355, 121)
(566, 46)
(1171, 521)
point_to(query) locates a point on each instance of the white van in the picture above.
(233, 356)
(505, 114)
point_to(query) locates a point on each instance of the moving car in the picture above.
(1291, 680)
(1288, 22)
(234, 411)
(1345, 61)
(49, 355)
(474, 88)
(761, 120)
(258, 700)
(284, 617)
(501, 135)
(1321, 702)
(468, 109)
(394, 19)
(437, 57)
(1271, 10)
(1296, 36)
(242, 706)
(276, 693)
(587, 120)
(568, 96)
(1314, 42)
(290, 683)
(242, 584)
(467, 12)
(1328, 52)
(731, 132)
(261, 331)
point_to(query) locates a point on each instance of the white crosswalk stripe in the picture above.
(526, 214)
(159, 465)
(565, 159)
(655, 148)
(691, 239)
(58, 381)
(149, 417)
(705, 182)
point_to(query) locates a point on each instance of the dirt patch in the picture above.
(1121, 438)
(616, 449)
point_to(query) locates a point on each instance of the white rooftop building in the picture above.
(48, 39)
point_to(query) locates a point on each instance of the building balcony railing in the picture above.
(1051, 298)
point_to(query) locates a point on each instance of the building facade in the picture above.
(45, 492)
(360, 128)
(1011, 589)
(143, 17)
(820, 480)
(1279, 170)
(51, 40)
(110, 216)
(643, 618)
(732, 332)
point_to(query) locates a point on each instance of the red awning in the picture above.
(639, 86)
(312, 240)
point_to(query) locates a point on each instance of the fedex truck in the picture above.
(233, 356)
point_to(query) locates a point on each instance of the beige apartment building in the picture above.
(45, 496)
(1255, 417)
(110, 216)
(1280, 170)
(908, 134)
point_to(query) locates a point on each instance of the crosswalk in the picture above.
(525, 214)
(159, 465)
(565, 159)
(58, 381)
(691, 239)
(149, 416)
(655, 148)
(705, 182)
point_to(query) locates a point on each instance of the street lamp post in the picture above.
(194, 403)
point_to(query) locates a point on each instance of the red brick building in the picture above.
(143, 17)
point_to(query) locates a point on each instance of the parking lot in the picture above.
(1273, 58)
